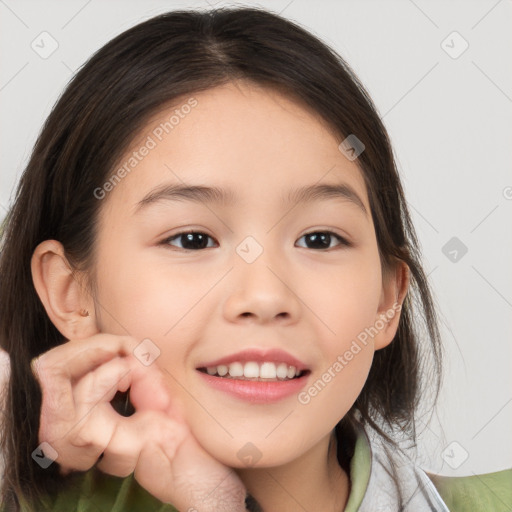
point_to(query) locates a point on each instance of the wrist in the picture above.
(225, 499)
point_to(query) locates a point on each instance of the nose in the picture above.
(261, 292)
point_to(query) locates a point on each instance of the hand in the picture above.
(79, 379)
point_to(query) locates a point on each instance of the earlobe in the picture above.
(68, 305)
(394, 289)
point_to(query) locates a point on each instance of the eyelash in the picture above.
(342, 241)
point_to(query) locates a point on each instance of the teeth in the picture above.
(236, 370)
(282, 371)
(253, 370)
(268, 371)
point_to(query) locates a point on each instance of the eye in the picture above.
(197, 240)
(191, 240)
(323, 239)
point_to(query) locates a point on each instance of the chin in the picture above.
(246, 454)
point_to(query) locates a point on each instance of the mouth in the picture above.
(256, 376)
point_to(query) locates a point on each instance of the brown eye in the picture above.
(323, 239)
(190, 240)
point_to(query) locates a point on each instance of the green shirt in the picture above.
(370, 490)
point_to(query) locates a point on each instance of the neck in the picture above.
(314, 481)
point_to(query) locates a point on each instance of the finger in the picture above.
(64, 405)
(101, 384)
(136, 433)
(82, 433)
(177, 470)
(153, 461)
(96, 421)
(75, 358)
(149, 390)
(89, 438)
(57, 369)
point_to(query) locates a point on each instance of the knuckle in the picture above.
(121, 472)
(45, 374)
(37, 366)
(128, 343)
(168, 433)
(83, 437)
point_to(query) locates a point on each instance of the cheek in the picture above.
(347, 303)
(345, 298)
(336, 387)
(145, 300)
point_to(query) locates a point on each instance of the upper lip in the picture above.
(274, 355)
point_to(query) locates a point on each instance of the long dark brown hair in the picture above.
(109, 100)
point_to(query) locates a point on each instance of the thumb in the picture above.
(150, 391)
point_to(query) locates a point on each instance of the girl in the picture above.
(212, 295)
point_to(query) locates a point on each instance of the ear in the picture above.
(66, 301)
(395, 284)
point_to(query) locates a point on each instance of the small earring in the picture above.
(84, 312)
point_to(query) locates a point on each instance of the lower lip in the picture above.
(254, 391)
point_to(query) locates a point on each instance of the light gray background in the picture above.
(449, 120)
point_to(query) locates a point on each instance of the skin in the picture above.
(197, 306)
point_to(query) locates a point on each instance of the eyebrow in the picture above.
(206, 194)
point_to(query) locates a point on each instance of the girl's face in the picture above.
(261, 273)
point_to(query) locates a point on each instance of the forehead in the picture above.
(249, 139)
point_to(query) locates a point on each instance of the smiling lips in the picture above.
(256, 376)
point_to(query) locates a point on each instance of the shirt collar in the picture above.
(360, 470)
(371, 485)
